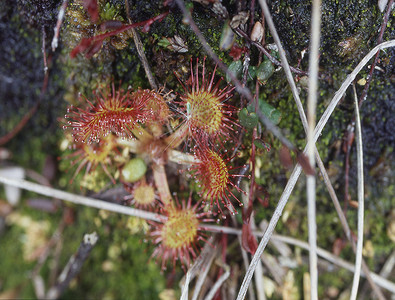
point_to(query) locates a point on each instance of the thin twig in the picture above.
(239, 87)
(358, 259)
(7, 137)
(59, 22)
(140, 51)
(73, 266)
(379, 40)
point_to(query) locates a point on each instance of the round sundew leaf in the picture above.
(265, 70)
(247, 119)
(134, 170)
(235, 67)
(252, 70)
(270, 112)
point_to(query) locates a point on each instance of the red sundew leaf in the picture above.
(111, 25)
(305, 164)
(92, 8)
(113, 110)
(149, 22)
(248, 240)
(92, 45)
(236, 52)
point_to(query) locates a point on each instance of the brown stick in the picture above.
(74, 266)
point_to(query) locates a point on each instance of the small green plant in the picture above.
(137, 122)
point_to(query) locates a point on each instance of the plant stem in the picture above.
(177, 137)
(161, 184)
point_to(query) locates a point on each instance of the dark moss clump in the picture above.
(22, 78)
(39, 14)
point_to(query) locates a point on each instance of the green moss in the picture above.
(14, 271)
(129, 275)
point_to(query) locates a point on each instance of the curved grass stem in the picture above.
(358, 259)
(73, 198)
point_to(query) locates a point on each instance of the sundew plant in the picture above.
(235, 138)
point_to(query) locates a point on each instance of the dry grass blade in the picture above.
(345, 225)
(209, 254)
(202, 262)
(358, 260)
(90, 202)
(311, 111)
(380, 281)
(297, 170)
(219, 282)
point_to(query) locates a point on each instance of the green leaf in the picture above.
(247, 119)
(164, 42)
(265, 70)
(261, 144)
(227, 37)
(134, 170)
(251, 72)
(270, 112)
(235, 67)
